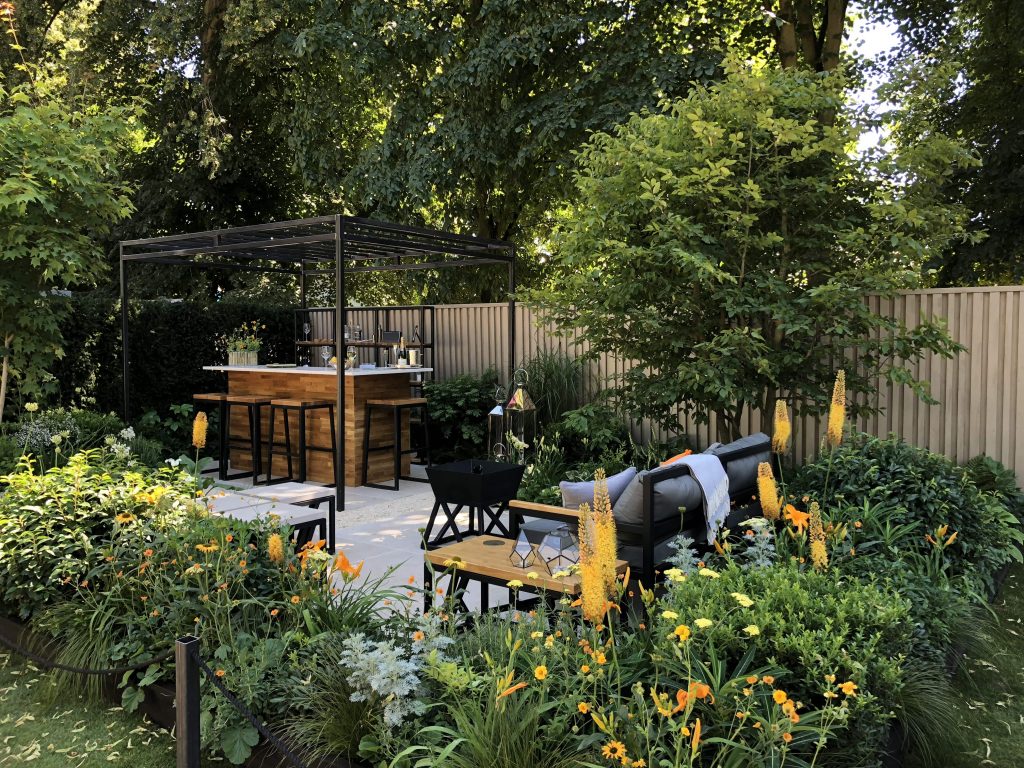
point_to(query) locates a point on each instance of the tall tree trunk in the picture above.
(5, 372)
(213, 27)
(803, 40)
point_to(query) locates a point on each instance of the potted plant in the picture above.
(243, 344)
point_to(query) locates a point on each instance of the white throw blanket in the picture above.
(714, 485)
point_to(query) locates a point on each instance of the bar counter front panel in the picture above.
(311, 383)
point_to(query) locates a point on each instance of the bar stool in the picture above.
(302, 407)
(397, 406)
(204, 401)
(254, 405)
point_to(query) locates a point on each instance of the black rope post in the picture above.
(186, 701)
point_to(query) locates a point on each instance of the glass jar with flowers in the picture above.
(243, 344)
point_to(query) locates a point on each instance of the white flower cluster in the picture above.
(52, 428)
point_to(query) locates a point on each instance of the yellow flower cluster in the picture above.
(767, 492)
(782, 428)
(837, 411)
(199, 427)
(598, 552)
(275, 548)
(819, 552)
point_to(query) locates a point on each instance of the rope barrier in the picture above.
(244, 711)
(48, 664)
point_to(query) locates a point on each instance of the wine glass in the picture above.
(306, 329)
(325, 353)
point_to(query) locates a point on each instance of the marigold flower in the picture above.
(780, 697)
(219, 673)
(768, 680)
(782, 429)
(600, 658)
(767, 491)
(742, 599)
(849, 688)
(418, 636)
(199, 427)
(837, 411)
(752, 679)
(540, 672)
(275, 612)
(296, 599)
(583, 707)
(787, 737)
(275, 548)
(585, 669)
(615, 750)
(147, 553)
(682, 632)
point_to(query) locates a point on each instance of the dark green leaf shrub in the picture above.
(810, 624)
(924, 489)
(458, 410)
(169, 343)
(593, 433)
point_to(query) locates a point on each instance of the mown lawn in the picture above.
(70, 733)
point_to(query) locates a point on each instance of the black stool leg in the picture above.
(288, 442)
(302, 445)
(223, 431)
(366, 442)
(398, 444)
(257, 444)
(270, 444)
(426, 433)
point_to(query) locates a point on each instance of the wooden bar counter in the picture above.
(310, 383)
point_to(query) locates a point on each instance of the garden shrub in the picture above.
(810, 624)
(926, 491)
(458, 410)
(186, 333)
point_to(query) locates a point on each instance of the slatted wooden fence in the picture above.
(980, 392)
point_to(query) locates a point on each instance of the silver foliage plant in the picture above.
(390, 672)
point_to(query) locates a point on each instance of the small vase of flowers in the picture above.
(243, 344)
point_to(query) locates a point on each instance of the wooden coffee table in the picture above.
(485, 559)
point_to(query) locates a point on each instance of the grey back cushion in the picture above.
(743, 472)
(574, 494)
(670, 496)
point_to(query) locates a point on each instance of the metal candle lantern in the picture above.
(559, 549)
(520, 419)
(496, 448)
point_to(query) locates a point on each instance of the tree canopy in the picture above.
(726, 242)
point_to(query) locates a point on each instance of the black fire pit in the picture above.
(484, 487)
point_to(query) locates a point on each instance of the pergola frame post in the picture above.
(304, 248)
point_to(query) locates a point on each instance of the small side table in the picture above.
(484, 487)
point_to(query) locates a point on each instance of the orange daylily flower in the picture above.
(799, 520)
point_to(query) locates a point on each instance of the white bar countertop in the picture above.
(314, 370)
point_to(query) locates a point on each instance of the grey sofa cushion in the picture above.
(670, 494)
(574, 494)
(743, 471)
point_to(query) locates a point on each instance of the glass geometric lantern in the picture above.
(520, 419)
(523, 554)
(496, 447)
(559, 549)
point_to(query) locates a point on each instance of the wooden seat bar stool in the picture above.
(254, 405)
(397, 406)
(301, 407)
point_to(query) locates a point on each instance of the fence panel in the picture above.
(980, 392)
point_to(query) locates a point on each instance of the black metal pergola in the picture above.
(326, 245)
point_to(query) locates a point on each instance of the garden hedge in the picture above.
(169, 342)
